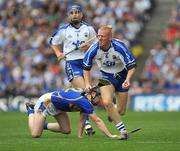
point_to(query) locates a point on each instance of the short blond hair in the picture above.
(107, 29)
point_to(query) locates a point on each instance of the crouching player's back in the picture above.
(72, 100)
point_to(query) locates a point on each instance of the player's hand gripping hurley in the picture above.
(88, 41)
(101, 83)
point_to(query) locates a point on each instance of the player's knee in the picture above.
(68, 131)
(108, 105)
(35, 135)
(122, 112)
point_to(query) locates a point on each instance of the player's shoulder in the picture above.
(64, 26)
(92, 51)
(94, 47)
(86, 24)
(117, 42)
(55, 93)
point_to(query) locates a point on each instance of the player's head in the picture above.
(75, 14)
(95, 96)
(104, 37)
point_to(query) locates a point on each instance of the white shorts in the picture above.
(45, 106)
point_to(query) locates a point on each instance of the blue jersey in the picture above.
(65, 99)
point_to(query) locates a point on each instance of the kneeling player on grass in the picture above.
(57, 104)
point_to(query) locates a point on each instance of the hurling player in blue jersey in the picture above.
(74, 36)
(57, 104)
(117, 65)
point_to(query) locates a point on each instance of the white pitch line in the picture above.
(148, 142)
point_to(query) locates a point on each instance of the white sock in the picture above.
(121, 127)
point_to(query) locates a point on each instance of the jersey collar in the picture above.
(75, 26)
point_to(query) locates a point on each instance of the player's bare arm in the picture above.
(87, 80)
(126, 84)
(59, 54)
(101, 126)
(81, 124)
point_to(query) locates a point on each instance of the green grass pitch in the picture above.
(160, 132)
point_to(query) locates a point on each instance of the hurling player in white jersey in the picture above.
(117, 65)
(74, 36)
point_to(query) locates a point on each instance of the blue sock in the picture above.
(45, 125)
(30, 111)
(87, 120)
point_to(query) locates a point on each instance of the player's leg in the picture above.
(121, 101)
(54, 127)
(38, 124)
(62, 125)
(78, 82)
(30, 114)
(88, 128)
(35, 120)
(74, 71)
(114, 103)
(107, 97)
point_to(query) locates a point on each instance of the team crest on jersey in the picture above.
(78, 43)
(114, 57)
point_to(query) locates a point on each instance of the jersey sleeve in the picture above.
(89, 56)
(129, 59)
(86, 106)
(57, 37)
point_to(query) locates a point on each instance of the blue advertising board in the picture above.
(155, 102)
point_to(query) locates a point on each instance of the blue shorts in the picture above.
(74, 68)
(116, 79)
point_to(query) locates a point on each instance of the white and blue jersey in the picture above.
(71, 38)
(113, 63)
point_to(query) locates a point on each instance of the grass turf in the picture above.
(160, 132)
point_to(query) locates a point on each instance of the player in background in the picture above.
(57, 104)
(117, 65)
(74, 36)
